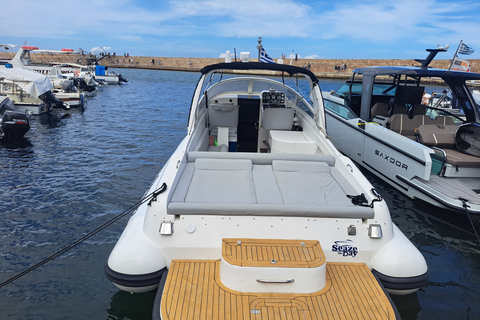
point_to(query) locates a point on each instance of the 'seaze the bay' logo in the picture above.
(345, 248)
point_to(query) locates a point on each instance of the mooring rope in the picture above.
(149, 197)
(466, 206)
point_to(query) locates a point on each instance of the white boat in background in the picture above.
(23, 59)
(104, 76)
(65, 88)
(70, 99)
(29, 91)
(70, 84)
(427, 152)
(258, 207)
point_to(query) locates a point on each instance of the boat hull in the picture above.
(406, 165)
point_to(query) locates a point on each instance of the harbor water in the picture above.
(77, 170)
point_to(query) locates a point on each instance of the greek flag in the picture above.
(464, 49)
(264, 57)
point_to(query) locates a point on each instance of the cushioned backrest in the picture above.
(419, 109)
(261, 158)
(223, 115)
(396, 122)
(221, 164)
(399, 108)
(432, 135)
(380, 109)
(403, 125)
(441, 121)
(278, 119)
(297, 166)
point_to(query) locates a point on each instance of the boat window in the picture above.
(345, 89)
(339, 109)
(305, 107)
(384, 89)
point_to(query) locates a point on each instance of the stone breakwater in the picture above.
(321, 67)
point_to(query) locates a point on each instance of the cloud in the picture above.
(210, 26)
(372, 20)
(384, 21)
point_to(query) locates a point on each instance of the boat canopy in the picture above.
(31, 82)
(456, 80)
(418, 72)
(291, 70)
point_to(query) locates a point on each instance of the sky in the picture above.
(323, 29)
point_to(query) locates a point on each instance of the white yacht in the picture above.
(428, 151)
(256, 213)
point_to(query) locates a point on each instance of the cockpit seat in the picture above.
(380, 109)
(223, 117)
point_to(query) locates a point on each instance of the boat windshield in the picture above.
(221, 84)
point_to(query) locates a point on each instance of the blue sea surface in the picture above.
(77, 170)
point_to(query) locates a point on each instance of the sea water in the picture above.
(77, 170)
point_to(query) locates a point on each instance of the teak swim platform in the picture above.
(194, 290)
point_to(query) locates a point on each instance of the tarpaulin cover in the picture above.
(31, 82)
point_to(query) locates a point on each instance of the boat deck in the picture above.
(260, 253)
(453, 188)
(194, 290)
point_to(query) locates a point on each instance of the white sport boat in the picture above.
(104, 76)
(429, 152)
(258, 209)
(29, 91)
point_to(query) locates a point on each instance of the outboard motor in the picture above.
(82, 84)
(49, 97)
(468, 139)
(121, 78)
(69, 86)
(15, 124)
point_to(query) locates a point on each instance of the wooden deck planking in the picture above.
(260, 252)
(194, 291)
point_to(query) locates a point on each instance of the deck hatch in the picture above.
(262, 253)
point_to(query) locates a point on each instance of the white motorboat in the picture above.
(70, 99)
(257, 207)
(29, 91)
(104, 76)
(23, 59)
(428, 152)
(74, 88)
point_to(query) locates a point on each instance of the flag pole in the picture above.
(456, 53)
